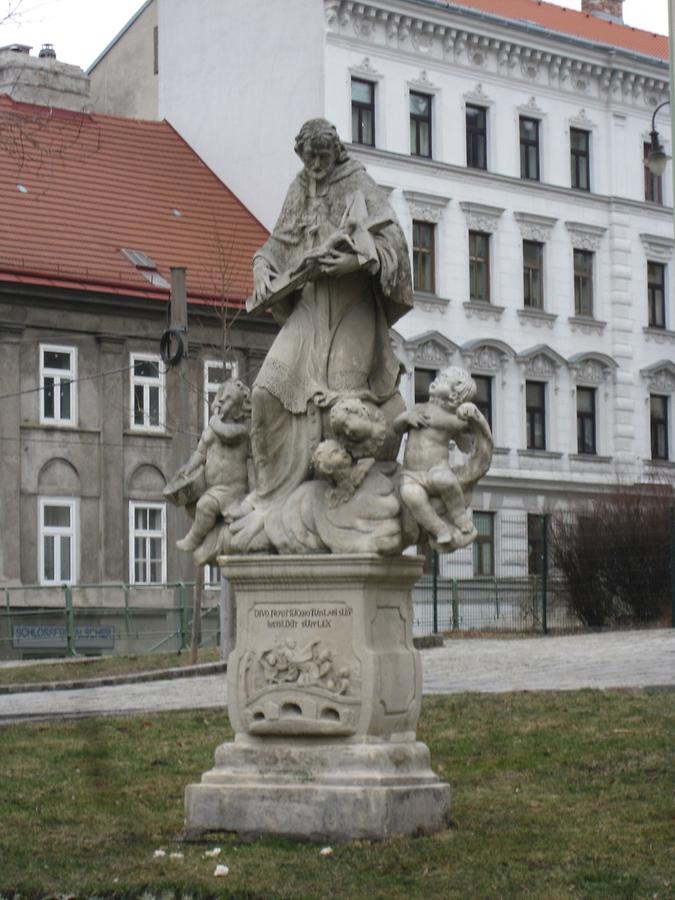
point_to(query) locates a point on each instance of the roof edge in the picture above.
(540, 30)
(117, 37)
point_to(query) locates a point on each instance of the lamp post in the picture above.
(657, 158)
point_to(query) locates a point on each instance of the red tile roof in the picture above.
(75, 189)
(572, 22)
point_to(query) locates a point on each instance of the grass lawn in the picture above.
(75, 669)
(554, 795)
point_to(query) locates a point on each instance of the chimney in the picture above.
(47, 52)
(604, 9)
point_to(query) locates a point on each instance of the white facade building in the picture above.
(513, 151)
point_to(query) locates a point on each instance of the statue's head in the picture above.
(319, 147)
(232, 400)
(331, 459)
(362, 426)
(453, 385)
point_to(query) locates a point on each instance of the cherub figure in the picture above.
(362, 428)
(334, 463)
(223, 451)
(447, 416)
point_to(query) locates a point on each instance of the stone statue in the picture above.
(427, 474)
(326, 415)
(216, 475)
(324, 683)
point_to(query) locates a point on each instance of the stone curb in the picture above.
(111, 680)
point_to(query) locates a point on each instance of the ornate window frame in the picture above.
(541, 363)
(594, 370)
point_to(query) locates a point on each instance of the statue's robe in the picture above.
(335, 331)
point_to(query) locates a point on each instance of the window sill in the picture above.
(589, 457)
(429, 302)
(659, 335)
(482, 309)
(146, 432)
(536, 317)
(660, 463)
(57, 426)
(501, 451)
(587, 324)
(540, 454)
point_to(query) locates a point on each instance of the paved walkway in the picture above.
(618, 659)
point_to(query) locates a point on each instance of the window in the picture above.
(57, 540)
(476, 137)
(535, 414)
(147, 557)
(211, 577)
(484, 545)
(424, 263)
(529, 148)
(537, 527)
(533, 270)
(656, 294)
(483, 398)
(420, 124)
(215, 373)
(363, 112)
(423, 379)
(653, 183)
(147, 392)
(586, 420)
(658, 424)
(580, 158)
(583, 282)
(58, 371)
(479, 266)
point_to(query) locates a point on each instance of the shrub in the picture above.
(613, 556)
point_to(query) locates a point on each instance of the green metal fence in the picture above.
(39, 621)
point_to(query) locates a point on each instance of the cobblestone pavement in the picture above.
(610, 660)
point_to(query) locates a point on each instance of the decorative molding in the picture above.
(365, 69)
(482, 311)
(435, 34)
(534, 227)
(480, 217)
(541, 454)
(657, 247)
(660, 376)
(537, 317)
(531, 109)
(589, 371)
(586, 325)
(478, 96)
(540, 361)
(584, 236)
(659, 335)
(430, 302)
(431, 349)
(427, 207)
(423, 82)
(582, 121)
(480, 356)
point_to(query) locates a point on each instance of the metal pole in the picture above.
(70, 621)
(183, 615)
(434, 575)
(544, 575)
(198, 591)
(455, 605)
(672, 566)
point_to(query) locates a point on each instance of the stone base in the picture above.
(319, 791)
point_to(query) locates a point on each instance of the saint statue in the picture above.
(339, 237)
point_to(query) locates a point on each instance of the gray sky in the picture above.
(81, 29)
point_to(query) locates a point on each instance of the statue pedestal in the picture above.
(324, 693)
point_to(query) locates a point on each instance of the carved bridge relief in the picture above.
(301, 675)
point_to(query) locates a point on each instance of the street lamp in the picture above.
(657, 158)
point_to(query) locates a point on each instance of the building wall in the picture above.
(101, 461)
(124, 81)
(237, 80)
